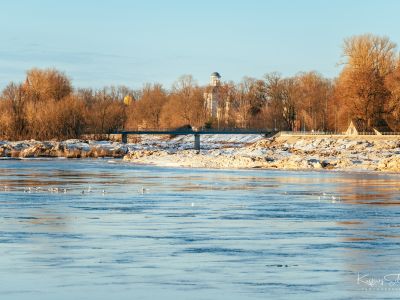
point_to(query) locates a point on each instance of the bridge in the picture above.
(196, 133)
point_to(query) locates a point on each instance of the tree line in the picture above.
(46, 106)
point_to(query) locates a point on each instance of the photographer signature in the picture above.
(385, 280)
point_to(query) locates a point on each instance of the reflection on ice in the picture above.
(116, 230)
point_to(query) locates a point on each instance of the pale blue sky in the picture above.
(117, 42)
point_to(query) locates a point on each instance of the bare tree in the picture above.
(47, 84)
(147, 109)
(369, 60)
(392, 83)
(314, 93)
(13, 119)
(282, 101)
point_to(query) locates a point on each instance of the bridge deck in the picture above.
(124, 133)
(187, 132)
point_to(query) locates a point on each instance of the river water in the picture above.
(98, 229)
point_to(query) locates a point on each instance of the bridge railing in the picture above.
(303, 133)
(307, 133)
(238, 130)
(151, 130)
(194, 130)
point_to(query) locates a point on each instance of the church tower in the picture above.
(215, 79)
(211, 97)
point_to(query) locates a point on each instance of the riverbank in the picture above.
(348, 153)
(68, 149)
(355, 153)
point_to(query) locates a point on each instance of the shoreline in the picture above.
(340, 153)
(177, 165)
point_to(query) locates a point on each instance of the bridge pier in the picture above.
(124, 138)
(197, 142)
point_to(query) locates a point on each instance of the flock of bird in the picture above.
(326, 197)
(57, 190)
(321, 197)
(332, 198)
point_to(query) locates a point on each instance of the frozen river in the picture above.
(98, 229)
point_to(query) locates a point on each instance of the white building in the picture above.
(212, 96)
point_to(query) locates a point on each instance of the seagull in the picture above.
(142, 190)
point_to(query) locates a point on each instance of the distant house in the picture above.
(360, 126)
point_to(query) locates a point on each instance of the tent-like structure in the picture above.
(360, 126)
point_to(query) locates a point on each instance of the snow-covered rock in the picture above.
(230, 151)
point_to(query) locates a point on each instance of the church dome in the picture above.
(216, 74)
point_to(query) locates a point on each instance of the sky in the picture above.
(120, 42)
